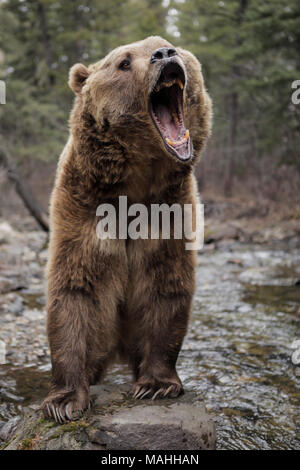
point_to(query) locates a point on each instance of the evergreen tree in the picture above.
(249, 49)
(250, 55)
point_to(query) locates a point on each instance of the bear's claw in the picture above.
(64, 408)
(153, 391)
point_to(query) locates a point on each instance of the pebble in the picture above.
(2, 352)
(295, 344)
(16, 306)
(296, 357)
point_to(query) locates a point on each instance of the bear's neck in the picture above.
(106, 168)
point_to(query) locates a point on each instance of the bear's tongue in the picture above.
(167, 108)
(168, 122)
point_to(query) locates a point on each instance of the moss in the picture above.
(55, 435)
(74, 426)
(43, 420)
(26, 444)
(48, 424)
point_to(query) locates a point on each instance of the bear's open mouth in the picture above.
(166, 110)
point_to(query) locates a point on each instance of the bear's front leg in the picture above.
(159, 309)
(69, 313)
(83, 294)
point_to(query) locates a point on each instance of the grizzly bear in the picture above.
(139, 123)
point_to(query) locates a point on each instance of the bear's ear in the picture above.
(77, 77)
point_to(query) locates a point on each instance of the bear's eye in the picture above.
(125, 64)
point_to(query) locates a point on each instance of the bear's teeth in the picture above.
(161, 85)
(164, 85)
(173, 143)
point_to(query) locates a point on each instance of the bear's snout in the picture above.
(162, 53)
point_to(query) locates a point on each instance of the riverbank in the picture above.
(236, 358)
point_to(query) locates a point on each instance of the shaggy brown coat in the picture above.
(130, 297)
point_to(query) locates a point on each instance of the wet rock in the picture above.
(117, 422)
(296, 357)
(16, 305)
(2, 352)
(34, 314)
(236, 262)
(43, 255)
(174, 427)
(9, 285)
(296, 344)
(6, 232)
(219, 231)
(272, 234)
(256, 276)
(9, 428)
(296, 354)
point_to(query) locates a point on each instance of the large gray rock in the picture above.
(117, 422)
(9, 429)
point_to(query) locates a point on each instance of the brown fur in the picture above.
(131, 297)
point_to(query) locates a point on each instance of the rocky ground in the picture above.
(23, 254)
(252, 221)
(244, 321)
(116, 422)
(22, 295)
(178, 425)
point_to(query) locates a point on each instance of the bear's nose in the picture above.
(162, 53)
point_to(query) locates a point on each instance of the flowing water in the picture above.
(237, 356)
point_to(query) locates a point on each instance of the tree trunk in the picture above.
(46, 39)
(234, 104)
(24, 192)
(231, 149)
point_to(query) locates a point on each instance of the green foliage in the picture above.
(41, 40)
(249, 49)
(147, 18)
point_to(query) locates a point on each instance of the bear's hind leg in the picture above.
(159, 310)
(155, 359)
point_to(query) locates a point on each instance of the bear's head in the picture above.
(147, 95)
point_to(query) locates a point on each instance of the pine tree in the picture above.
(250, 54)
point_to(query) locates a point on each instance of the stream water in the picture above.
(237, 356)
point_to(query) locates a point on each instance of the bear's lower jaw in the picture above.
(166, 110)
(182, 149)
